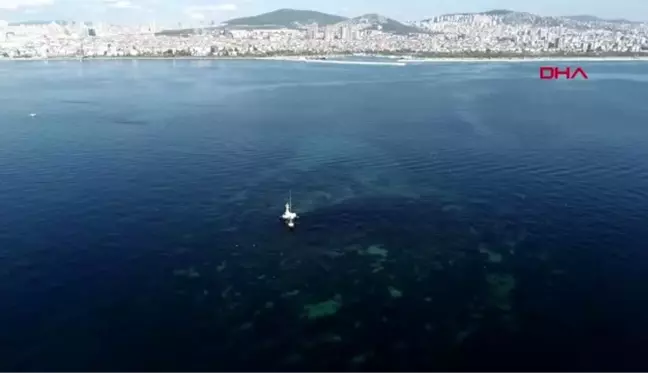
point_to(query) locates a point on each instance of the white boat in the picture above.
(289, 216)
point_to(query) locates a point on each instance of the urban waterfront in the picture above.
(452, 216)
(494, 34)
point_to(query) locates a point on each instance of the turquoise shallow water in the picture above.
(449, 212)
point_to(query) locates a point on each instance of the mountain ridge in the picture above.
(39, 22)
(513, 13)
(286, 17)
(299, 18)
(589, 18)
(374, 21)
(296, 18)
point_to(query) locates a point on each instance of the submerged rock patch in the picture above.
(395, 293)
(501, 285)
(377, 250)
(493, 257)
(190, 273)
(323, 309)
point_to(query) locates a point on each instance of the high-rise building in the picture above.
(346, 32)
(313, 31)
(82, 30)
(3, 31)
(329, 33)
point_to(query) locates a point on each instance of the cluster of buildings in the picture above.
(343, 31)
(457, 35)
(535, 35)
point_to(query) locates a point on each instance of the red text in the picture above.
(554, 72)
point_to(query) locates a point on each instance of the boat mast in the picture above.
(290, 198)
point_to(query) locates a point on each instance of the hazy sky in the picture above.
(192, 11)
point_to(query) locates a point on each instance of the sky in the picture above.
(192, 12)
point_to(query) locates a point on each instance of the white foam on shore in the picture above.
(382, 63)
(340, 62)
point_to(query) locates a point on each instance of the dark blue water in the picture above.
(453, 216)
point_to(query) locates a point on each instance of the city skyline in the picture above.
(195, 11)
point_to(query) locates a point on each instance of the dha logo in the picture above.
(554, 73)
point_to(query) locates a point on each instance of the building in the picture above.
(3, 30)
(329, 33)
(313, 31)
(346, 32)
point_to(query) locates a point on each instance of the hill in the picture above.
(377, 22)
(37, 22)
(288, 18)
(295, 19)
(584, 18)
(512, 17)
(498, 12)
(588, 18)
(577, 20)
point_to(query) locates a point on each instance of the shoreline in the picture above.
(397, 60)
(523, 59)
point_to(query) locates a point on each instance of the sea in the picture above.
(452, 216)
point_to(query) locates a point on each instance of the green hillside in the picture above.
(385, 24)
(289, 18)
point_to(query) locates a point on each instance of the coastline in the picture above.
(396, 60)
(525, 59)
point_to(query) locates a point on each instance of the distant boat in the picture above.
(289, 216)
